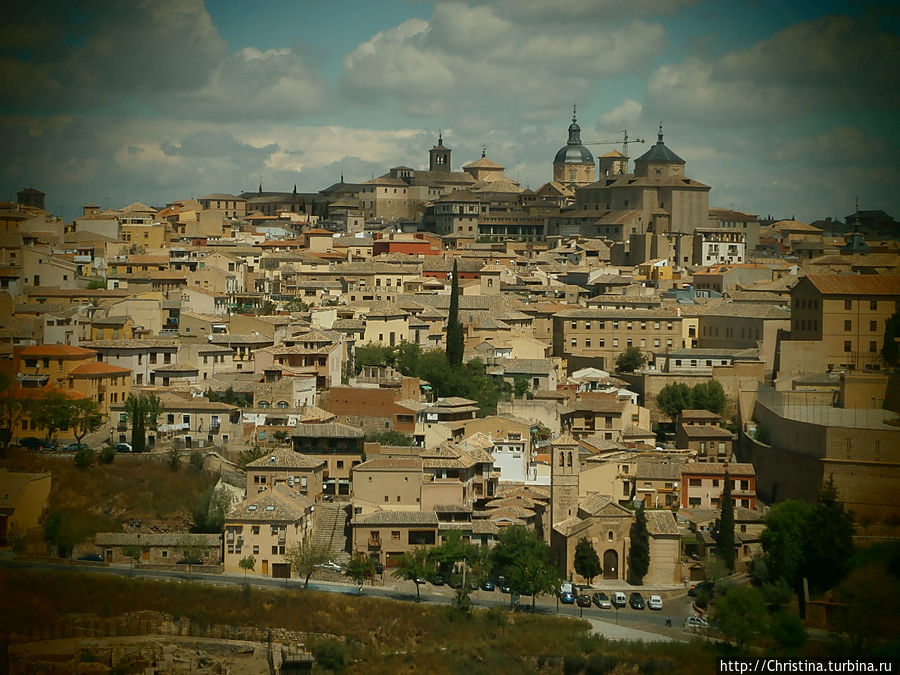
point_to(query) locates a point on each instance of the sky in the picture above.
(787, 109)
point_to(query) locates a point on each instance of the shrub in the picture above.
(107, 455)
(197, 461)
(84, 458)
(331, 654)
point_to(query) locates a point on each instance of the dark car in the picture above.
(437, 580)
(379, 568)
(487, 585)
(636, 601)
(92, 557)
(707, 587)
(455, 581)
(124, 447)
(75, 447)
(567, 598)
(583, 600)
(33, 443)
(602, 601)
(504, 587)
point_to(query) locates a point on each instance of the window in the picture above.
(848, 346)
(615, 342)
(395, 535)
(848, 325)
(848, 304)
(255, 529)
(256, 550)
(695, 482)
(873, 305)
(873, 326)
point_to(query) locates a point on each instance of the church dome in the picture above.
(573, 152)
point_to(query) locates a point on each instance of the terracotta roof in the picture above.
(285, 459)
(99, 368)
(64, 351)
(856, 284)
(718, 469)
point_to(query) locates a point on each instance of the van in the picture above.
(619, 599)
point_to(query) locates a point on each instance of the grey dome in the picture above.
(659, 153)
(573, 152)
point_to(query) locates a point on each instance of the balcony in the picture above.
(374, 543)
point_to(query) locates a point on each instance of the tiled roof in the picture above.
(275, 505)
(718, 469)
(397, 518)
(99, 368)
(856, 284)
(329, 430)
(63, 351)
(661, 523)
(285, 459)
(390, 464)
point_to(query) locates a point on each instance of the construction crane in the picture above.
(625, 143)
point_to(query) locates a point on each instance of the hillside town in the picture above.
(389, 365)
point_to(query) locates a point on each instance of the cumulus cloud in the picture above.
(627, 112)
(477, 57)
(125, 49)
(831, 62)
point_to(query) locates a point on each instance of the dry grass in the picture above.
(381, 635)
(130, 488)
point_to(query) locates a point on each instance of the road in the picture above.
(678, 607)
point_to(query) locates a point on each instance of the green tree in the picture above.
(725, 533)
(787, 630)
(14, 407)
(524, 561)
(889, 349)
(64, 530)
(455, 338)
(210, 509)
(673, 398)
(134, 552)
(250, 454)
(407, 357)
(639, 550)
(267, 308)
(174, 459)
(84, 417)
(784, 542)
(390, 438)
(870, 594)
(740, 613)
(359, 568)
(52, 413)
(709, 396)
(587, 561)
(829, 539)
(414, 566)
(108, 455)
(373, 354)
(303, 557)
(142, 411)
(247, 564)
(456, 555)
(630, 360)
(521, 386)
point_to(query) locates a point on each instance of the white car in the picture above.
(695, 624)
(331, 566)
(655, 602)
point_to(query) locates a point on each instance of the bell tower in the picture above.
(565, 466)
(439, 156)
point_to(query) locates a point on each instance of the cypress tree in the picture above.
(455, 345)
(639, 551)
(725, 538)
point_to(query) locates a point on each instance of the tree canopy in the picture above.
(303, 556)
(455, 337)
(142, 410)
(630, 360)
(587, 561)
(524, 561)
(740, 613)
(725, 533)
(678, 396)
(639, 550)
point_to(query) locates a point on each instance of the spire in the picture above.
(295, 189)
(483, 150)
(342, 177)
(574, 118)
(660, 136)
(440, 138)
(260, 188)
(574, 130)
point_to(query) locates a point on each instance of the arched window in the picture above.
(263, 404)
(570, 458)
(281, 404)
(562, 458)
(609, 535)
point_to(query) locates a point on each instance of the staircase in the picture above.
(330, 530)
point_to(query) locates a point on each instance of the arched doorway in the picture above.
(611, 564)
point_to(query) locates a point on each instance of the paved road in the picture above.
(624, 623)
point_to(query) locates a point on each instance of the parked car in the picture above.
(708, 586)
(437, 580)
(92, 557)
(488, 585)
(654, 602)
(75, 447)
(602, 601)
(331, 566)
(124, 447)
(455, 581)
(583, 600)
(636, 601)
(619, 599)
(34, 443)
(695, 623)
(567, 598)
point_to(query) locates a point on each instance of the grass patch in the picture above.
(369, 634)
(107, 494)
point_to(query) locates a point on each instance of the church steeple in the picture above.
(574, 130)
(439, 156)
